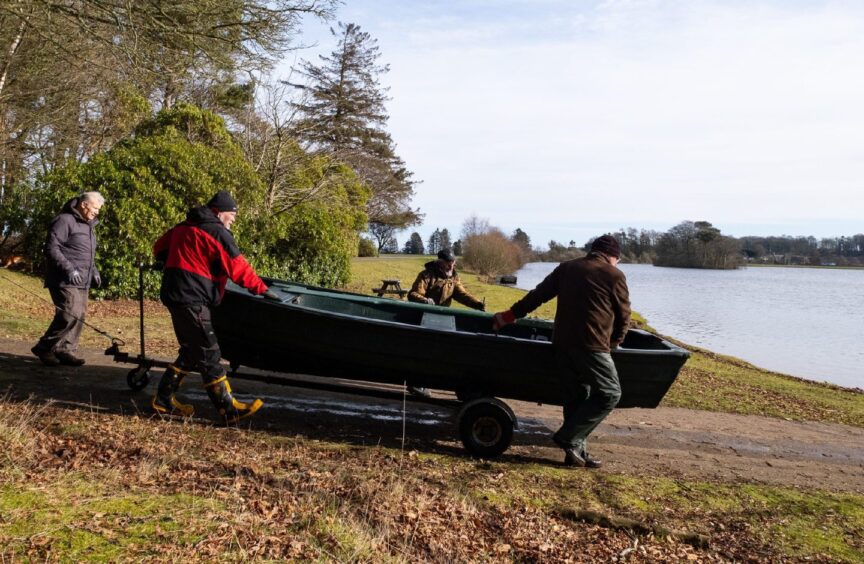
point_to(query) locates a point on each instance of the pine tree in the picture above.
(434, 244)
(344, 113)
(522, 239)
(414, 245)
(445, 239)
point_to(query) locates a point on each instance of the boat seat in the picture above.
(438, 321)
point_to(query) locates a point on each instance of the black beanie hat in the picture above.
(608, 245)
(447, 255)
(222, 202)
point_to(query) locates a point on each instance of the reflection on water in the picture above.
(800, 321)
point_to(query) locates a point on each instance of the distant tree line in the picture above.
(690, 244)
(701, 245)
(840, 251)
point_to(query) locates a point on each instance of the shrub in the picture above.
(176, 161)
(491, 253)
(366, 248)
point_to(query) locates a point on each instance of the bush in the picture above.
(366, 248)
(491, 253)
(177, 161)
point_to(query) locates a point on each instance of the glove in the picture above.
(271, 295)
(480, 307)
(430, 301)
(76, 279)
(97, 280)
(502, 318)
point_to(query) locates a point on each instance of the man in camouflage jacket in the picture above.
(439, 284)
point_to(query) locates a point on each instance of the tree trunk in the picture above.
(16, 42)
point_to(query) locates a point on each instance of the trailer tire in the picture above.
(486, 427)
(138, 378)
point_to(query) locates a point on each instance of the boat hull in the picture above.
(351, 336)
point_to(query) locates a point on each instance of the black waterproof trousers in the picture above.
(65, 329)
(199, 349)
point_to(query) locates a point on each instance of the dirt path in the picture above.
(659, 442)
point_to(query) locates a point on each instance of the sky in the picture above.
(569, 118)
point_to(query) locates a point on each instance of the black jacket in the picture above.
(71, 246)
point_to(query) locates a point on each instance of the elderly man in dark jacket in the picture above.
(71, 270)
(199, 257)
(592, 318)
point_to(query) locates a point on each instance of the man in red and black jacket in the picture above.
(199, 256)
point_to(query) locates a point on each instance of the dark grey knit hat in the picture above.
(608, 245)
(223, 202)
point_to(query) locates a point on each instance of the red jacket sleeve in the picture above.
(160, 248)
(241, 273)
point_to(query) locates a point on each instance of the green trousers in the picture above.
(590, 390)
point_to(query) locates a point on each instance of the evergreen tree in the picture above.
(343, 113)
(414, 245)
(445, 239)
(457, 247)
(522, 239)
(434, 244)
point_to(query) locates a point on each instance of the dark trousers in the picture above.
(590, 390)
(199, 349)
(65, 329)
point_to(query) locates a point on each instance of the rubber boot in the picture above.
(228, 407)
(164, 400)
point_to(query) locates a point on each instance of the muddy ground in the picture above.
(669, 442)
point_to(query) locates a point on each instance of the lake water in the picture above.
(805, 322)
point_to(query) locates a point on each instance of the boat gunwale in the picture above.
(672, 350)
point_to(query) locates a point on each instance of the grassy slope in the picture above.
(90, 486)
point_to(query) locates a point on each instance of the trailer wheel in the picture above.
(486, 427)
(138, 378)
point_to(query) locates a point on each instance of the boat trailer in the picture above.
(485, 424)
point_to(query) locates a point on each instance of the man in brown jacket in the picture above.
(592, 318)
(439, 284)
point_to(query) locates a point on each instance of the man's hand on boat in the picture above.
(271, 295)
(430, 301)
(502, 318)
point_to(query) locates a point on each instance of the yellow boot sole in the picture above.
(249, 412)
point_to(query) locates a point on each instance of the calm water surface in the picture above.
(805, 322)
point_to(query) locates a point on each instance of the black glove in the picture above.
(97, 280)
(76, 279)
(481, 307)
(271, 295)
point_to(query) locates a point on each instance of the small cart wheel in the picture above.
(486, 427)
(138, 378)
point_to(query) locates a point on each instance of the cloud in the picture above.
(562, 113)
